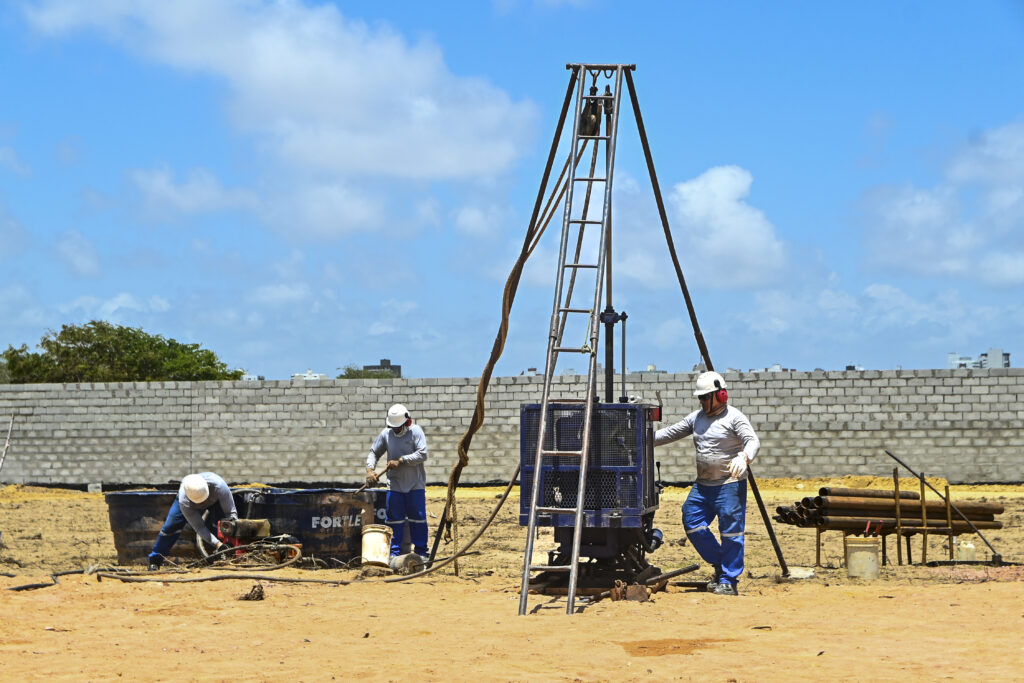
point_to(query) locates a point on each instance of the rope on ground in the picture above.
(55, 578)
(133, 578)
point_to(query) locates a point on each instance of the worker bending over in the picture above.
(197, 493)
(726, 444)
(406, 448)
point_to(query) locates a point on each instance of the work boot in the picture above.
(713, 582)
(725, 588)
(154, 567)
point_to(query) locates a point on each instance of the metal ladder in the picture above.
(576, 222)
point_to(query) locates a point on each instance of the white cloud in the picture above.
(325, 92)
(200, 192)
(777, 313)
(479, 221)
(111, 309)
(919, 230)
(9, 159)
(837, 304)
(292, 267)
(428, 212)
(13, 236)
(1003, 268)
(648, 267)
(880, 310)
(78, 254)
(19, 308)
(328, 210)
(995, 157)
(285, 294)
(667, 333)
(968, 225)
(732, 243)
(390, 319)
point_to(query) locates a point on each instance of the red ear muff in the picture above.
(408, 423)
(722, 395)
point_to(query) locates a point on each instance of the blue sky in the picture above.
(301, 185)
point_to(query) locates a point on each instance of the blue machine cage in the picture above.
(620, 486)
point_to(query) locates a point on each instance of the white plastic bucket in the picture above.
(862, 558)
(376, 548)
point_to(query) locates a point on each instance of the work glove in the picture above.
(738, 466)
(371, 477)
(216, 554)
(393, 464)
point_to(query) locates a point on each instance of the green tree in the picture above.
(355, 372)
(103, 352)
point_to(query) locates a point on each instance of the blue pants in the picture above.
(728, 502)
(411, 508)
(173, 526)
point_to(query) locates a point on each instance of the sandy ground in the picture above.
(913, 622)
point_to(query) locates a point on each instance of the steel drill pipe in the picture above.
(906, 507)
(859, 523)
(862, 512)
(866, 493)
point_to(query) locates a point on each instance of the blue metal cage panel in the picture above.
(620, 486)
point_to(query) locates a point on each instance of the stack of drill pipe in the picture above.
(855, 509)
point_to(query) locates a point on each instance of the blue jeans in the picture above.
(173, 526)
(409, 507)
(728, 502)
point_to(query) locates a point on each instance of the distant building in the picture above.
(308, 375)
(386, 366)
(993, 358)
(652, 369)
(858, 368)
(774, 367)
(252, 378)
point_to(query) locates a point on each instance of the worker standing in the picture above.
(406, 447)
(197, 493)
(726, 444)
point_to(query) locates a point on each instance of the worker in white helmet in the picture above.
(197, 493)
(726, 444)
(406, 447)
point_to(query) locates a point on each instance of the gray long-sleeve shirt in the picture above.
(718, 440)
(410, 450)
(220, 492)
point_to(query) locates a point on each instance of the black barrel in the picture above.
(328, 522)
(136, 518)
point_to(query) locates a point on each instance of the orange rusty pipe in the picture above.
(858, 523)
(906, 507)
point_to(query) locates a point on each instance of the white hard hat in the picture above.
(398, 415)
(708, 382)
(196, 488)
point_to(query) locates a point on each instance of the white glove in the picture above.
(738, 466)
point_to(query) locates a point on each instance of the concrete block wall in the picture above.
(965, 425)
